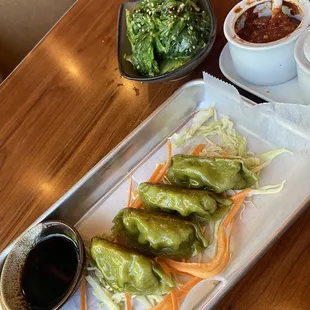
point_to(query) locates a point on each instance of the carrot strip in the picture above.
(83, 294)
(201, 269)
(155, 174)
(198, 149)
(221, 259)
(241, 195)
(174, 300)
(156, 177)
(224, 261)
(168, 270)
(137, 203)
(164, 266)
(129, 194)
(128, 302)
(167, 165)
(185, 288)
(166, 303)
(238, 200)
(172, 270)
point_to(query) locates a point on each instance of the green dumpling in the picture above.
(127, 271)
(159, 234)
(197, 205)
(215, 174)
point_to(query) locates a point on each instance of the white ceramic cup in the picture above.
(302, 56)
(264, 63)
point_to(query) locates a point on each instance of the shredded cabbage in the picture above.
(231, 145)
(231, 141)
(154, 300)
(144, 301)
(267, 190)
(243, 206)
(267, 158)
(108, 297)
(118, 297)
(102, 294)
(187, 133)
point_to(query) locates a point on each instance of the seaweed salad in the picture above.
(165, 34)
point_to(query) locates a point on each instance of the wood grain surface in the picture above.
(66, 106)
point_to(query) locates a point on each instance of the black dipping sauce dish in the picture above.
(44, 268)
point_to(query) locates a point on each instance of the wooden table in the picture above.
(66, 106)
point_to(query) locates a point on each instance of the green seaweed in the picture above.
(164, 35)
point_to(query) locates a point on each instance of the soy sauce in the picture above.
(48, 272)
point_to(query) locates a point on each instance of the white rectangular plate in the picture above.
(266, 127)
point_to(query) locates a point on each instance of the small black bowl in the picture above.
(126, 68)
(11, 295)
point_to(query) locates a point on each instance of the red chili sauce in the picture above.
(266, 29)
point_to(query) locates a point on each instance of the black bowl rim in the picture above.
(168, 75)
(81, 265)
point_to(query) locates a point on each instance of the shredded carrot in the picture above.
(166, 303)
(168, 270)
(241, 195)
(225, 154)
(137, 203)
(174, 300)
(83, 294)
(164, 266)
(162, 173)
(156, 177)
(172, 270)
(238, 201)
(128, 301)
(129, 194)
(205, 270)
(198, 149)
(224, 261)
(185, 288)
(155, 174)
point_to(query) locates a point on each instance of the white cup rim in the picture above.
(300, 57)
(235, 13)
